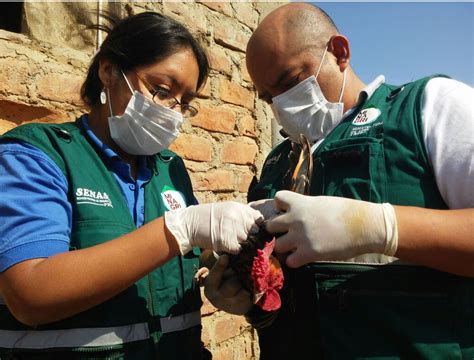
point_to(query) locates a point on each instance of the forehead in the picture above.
(180, 67)
(267, 69)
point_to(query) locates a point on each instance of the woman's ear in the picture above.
(339, 47)
(107, 73)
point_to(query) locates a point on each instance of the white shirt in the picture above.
(448, 133)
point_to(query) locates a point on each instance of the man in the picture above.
(381, 257)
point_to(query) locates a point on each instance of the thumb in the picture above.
(214, 278)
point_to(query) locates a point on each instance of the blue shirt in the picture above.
(35, 214)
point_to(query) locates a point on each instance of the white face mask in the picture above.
(303, 109)
(145, 128)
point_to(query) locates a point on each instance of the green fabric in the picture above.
(345, 311)
(167, 291)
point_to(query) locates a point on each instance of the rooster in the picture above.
(258, 270)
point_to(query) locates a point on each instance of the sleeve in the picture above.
(448, 126)
(35, 214)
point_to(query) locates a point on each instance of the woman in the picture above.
(90, 267)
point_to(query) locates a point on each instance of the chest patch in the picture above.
(366, 116)
(91, 197)
(173, 199)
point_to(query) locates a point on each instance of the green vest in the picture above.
(368, 311)
(159, 314)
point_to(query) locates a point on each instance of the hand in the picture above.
(266, 207)
(217, 226)
(322, 228)
(224, 290)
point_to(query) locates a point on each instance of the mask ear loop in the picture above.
(108, 92)
(343, 85)
(322, 60)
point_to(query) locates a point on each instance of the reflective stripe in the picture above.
(83, 337)
(88, 337)
(180, 322)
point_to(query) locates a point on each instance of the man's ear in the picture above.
(107, 73)
(339, 47)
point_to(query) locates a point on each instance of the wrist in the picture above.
(391, 230)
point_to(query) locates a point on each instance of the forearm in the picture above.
(54, 288)
(441, 239)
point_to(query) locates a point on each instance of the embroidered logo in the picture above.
(173, 199)
(97, 198)
(366, 116)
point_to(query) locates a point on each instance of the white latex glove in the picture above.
(266, 207)
(224, 290)
(320, 228)
(217, 226)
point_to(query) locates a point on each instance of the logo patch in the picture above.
(97, 198)
(366, 116)
(173, 199)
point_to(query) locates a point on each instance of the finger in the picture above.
(296, 259)
(230, 287)
(214, 279)
(256, 215)
(285, 243)
(284, 198)
(278, 224)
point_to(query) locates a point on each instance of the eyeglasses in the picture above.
(301, 177)
(163, 97)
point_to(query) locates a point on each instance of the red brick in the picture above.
(205, 92)
(5, 126)
(15, 75)
(205, 335)
(222, 7)
(21, 113)
(192, 147)
(215, 119)
(247, 126)
(217, 180)
(243, 181)
(62, 87)
(225, 352)
(219, 59)
(235, 94)
(246, 14)
(242, 151)
(231, 34)
(244, 72)
(194, 18)
(207, 308)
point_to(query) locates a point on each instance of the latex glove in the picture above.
(224, 290)
(331, 228)
(216, 226)
(266, 207)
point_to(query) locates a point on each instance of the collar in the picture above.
(366, 93)
(107, 152)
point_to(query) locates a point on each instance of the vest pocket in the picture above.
(353, 168)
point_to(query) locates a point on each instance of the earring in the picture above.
(103, 97)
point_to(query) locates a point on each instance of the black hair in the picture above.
(140, 40)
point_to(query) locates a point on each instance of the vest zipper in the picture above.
(152, 309)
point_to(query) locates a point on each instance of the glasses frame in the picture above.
(170, 101)
(301, 177)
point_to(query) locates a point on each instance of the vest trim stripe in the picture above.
(89, 337)
(181, 322)
(84, 337)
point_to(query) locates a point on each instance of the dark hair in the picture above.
(140, 40)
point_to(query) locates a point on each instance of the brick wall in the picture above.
(223, 147)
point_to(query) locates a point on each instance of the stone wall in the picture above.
(42, 70)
